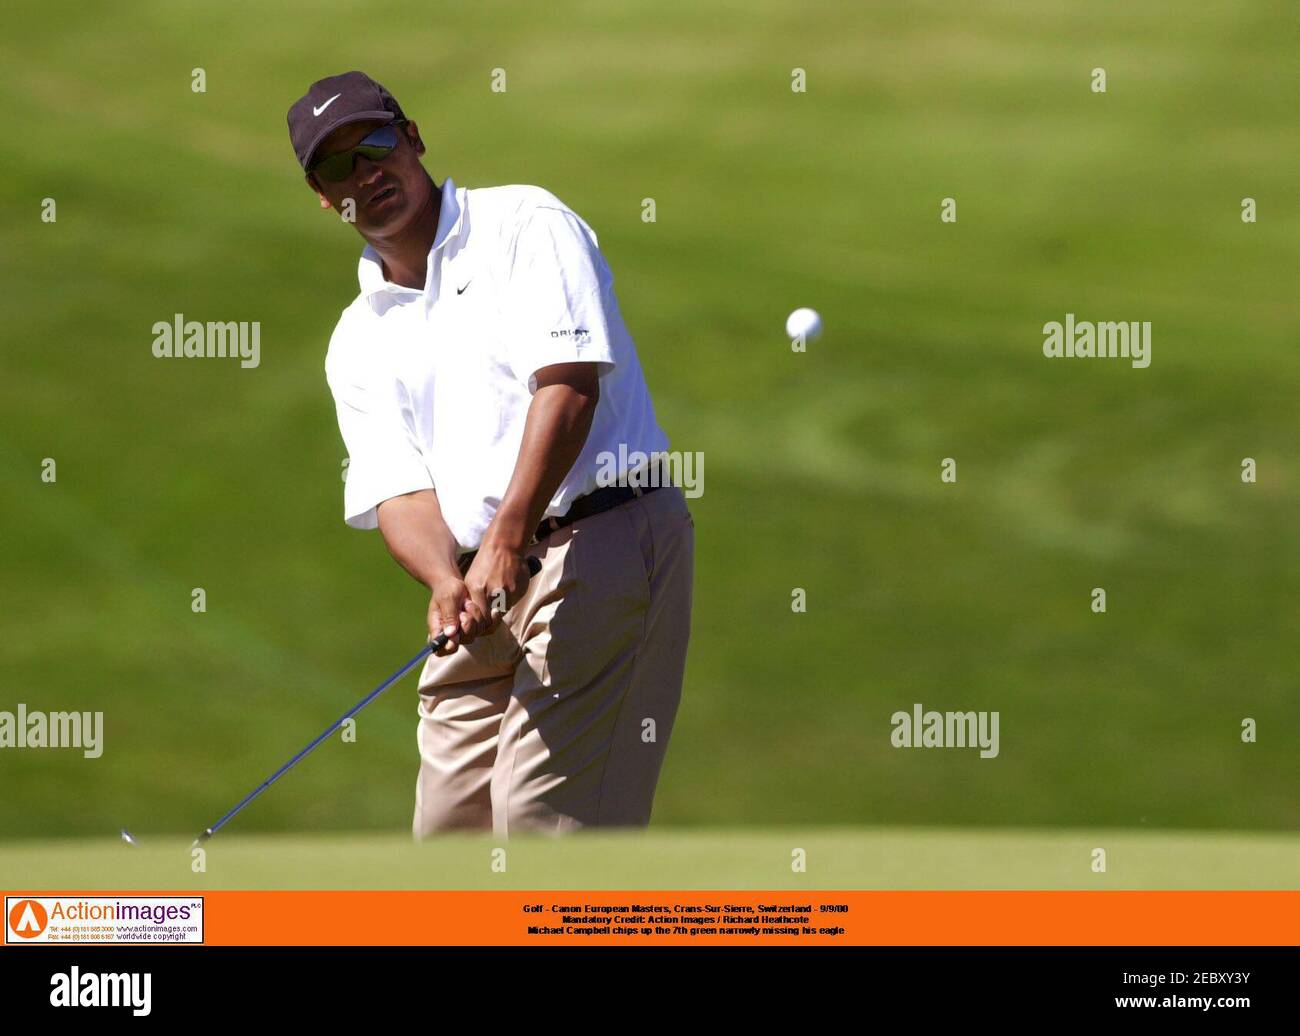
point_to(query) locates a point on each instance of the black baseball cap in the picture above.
(333, 102)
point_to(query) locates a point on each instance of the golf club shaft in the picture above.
(437, 643)
(434, 645)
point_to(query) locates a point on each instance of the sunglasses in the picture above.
(376, 146)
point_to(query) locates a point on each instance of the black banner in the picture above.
(333, 984)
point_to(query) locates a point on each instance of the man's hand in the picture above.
(496, 579)
(451, 611)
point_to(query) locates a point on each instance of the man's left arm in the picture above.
(555, 431)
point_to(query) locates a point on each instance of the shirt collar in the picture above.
(448, 214)
(370, 270)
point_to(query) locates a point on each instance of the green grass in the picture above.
(843, 858)
(821, 469)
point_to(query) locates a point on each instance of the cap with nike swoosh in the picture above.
(333, 102)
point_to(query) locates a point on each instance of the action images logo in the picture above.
(103, 919)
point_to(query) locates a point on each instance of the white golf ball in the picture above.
(803, 323)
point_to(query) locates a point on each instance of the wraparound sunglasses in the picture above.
(375, 146)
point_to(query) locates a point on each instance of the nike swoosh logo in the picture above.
(316, 111)
(461, 291)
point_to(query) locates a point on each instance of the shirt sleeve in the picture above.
(558, 297)
(384, 456)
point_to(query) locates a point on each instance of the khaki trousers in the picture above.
(560, 719)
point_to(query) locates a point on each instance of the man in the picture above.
(483, 378)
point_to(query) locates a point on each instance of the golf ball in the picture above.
(127, 838)
(803, 323)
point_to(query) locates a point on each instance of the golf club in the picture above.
(435, 644)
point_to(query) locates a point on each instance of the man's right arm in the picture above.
(388, 484)
(418, 539)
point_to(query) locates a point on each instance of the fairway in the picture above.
(713, 859)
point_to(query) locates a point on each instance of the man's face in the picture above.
(388, 193)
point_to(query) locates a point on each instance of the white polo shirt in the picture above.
(432, 386)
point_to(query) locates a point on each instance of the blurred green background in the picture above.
(822, 469)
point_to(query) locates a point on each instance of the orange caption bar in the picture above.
(785, 918)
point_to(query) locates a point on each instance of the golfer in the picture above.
(486, 389)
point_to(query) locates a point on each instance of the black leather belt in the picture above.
(595, 502)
